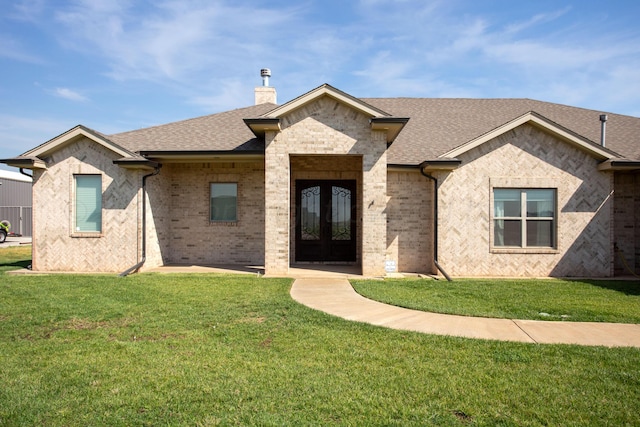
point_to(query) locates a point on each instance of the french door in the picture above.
(326, 220)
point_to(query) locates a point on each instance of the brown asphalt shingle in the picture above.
(439, 125)
(436, 126)
(216, 132)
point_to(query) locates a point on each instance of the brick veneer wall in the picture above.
(526, 157)
(56, 246)
(179, 206)
(627, 222)
(325, 127)
(159, 232)
(410, 222)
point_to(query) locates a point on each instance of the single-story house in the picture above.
(470, 187)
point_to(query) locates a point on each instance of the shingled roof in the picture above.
(436, 126)
(216, 132)
(439, 125)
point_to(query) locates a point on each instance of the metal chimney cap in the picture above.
(265, 72)
(603, 117)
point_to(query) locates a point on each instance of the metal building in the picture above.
(16, 201)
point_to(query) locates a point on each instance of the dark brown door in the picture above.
(326, 220)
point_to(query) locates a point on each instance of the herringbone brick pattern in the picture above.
(57, 247)
(526, 158)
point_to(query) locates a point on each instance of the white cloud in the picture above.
(535, 20)
(222, 94)
(171, 41)
(69, 94)
(18, 134)
(208, 52)
(14, 50)
(27, 10)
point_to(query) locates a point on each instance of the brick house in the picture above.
(473, 187)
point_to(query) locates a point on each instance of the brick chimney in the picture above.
(265, 93)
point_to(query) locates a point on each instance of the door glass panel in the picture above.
(340, 213)
(310, 213)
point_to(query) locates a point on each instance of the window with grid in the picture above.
(524, 218)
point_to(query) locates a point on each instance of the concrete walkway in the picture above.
(15, 241)
(337, 297)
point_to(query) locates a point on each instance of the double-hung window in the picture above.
(88, 204)
(224, 201)
(524, 218)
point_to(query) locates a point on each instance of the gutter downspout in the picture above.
(25, 174)
(144, 225)
(435, 223)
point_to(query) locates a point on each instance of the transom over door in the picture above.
(326, 220)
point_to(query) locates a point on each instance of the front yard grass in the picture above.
(205, 350)
(546, 299)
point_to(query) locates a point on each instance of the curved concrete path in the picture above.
(337, 297)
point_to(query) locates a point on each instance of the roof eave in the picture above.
(619, 165)
(203, 156)
(259, 126)
(25, 162)
(391, 125)
(442, 164)
(136, 163)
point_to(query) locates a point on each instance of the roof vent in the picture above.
(265, 73)
(265, 94)
(603, 129)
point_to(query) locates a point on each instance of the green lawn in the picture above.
(204, 350)
(547, 299)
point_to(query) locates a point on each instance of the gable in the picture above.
(331, 92)
(440, 125)
(324, 124)
(379, 120)
(73, 135)
(36, 158)
(542, 123)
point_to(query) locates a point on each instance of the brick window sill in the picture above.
(87, 235)
(543, 251)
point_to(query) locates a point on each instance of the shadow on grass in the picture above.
(627, 287)
(26, 263)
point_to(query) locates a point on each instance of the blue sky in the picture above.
(117, 65)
